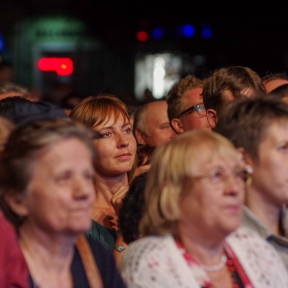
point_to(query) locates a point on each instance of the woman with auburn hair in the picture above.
(115, 148)
(193, 207)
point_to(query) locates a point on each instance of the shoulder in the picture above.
(145, 249)
(106, 265)
(259, 259)
(104, 235)
(148, 263)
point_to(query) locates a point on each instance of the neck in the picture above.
(106, 187)
(46, 252)
(206, 250)
(265, 210)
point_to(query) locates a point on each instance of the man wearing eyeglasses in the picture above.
(226, 85)
(185, 105)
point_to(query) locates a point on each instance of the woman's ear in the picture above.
(17, 204)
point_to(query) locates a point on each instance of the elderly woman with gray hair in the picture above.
(47, 192)
(193, 207)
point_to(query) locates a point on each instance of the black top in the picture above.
(106, 266)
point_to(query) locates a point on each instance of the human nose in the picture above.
(81, 188)
(233, 183)
(122, 141)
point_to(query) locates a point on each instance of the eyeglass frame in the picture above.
(239, 174)
(193, 108)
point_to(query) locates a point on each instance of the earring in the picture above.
(249, 170)
(249, 178)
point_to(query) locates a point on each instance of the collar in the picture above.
(251, 221)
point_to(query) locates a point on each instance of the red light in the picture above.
(142, 36)
(62, 66)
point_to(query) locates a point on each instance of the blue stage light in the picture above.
(188, 31)
(206, 33)
(1, 42)
(158, 33)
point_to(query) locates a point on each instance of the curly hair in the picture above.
(173, 98)
(132, 209)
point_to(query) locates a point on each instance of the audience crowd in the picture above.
(187, 191)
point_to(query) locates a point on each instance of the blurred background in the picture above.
(135, 49)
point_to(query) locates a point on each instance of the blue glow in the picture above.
(188, 30)
(206, 33)
(1, 42)
(157, 33)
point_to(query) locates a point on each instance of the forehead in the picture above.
(157, 111)
(273, 84)
(192, 97)
(276, 132)
(114, 119)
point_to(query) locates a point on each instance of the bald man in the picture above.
(151, 124)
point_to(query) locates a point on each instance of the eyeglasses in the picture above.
(219, 177)
(198, 107)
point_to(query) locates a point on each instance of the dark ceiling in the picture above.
(249, 33)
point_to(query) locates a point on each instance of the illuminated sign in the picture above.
(62, 66)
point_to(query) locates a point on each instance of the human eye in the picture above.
(283, 147)
(105, 134)
(240, 174)
(216, 176)
(88, 175)
(165, 126)
(63, 177)
(128, 130)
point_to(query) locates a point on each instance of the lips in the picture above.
(233, 208)
(124, 156)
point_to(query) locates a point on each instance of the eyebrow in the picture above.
(111, 127)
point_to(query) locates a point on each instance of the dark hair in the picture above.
(234, 79)
(273, 76)
(245, 121)
(23, 147)
(174, 96)
(132, 209)
(7, 103)
(144, 154)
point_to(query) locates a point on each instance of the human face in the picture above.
(157, 124)
(211, 205)
(115, 147)
(193, 120)
(270, 169)
(60, 194)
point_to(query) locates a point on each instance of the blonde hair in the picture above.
(95, 110)
(171, 164)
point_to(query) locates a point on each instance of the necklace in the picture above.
(216, 267)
